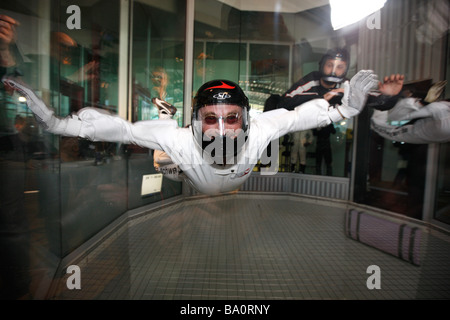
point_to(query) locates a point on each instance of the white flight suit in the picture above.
(425, 124)
(179, 144)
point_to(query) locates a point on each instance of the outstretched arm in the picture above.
(44, 115)
(388, 93)
(95, 124)
(391, 85)
(355, 96)
(318, 112)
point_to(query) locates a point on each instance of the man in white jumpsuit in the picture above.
(218, 151)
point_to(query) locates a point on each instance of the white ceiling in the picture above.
(286, 6)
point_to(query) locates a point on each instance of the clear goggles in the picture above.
(221, 120)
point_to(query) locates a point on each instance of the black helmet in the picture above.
(334, 54)
(219, 92)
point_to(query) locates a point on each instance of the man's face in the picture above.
(159, 78)
(336, 67)
(221, 120)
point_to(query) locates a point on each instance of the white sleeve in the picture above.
(309, 115)
(153, 134)
(99, 125)
(44, 115)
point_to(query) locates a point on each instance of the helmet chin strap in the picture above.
(331, 79)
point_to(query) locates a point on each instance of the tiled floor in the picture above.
(253, 247)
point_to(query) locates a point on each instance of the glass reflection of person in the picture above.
(160, 80)
(9, 62)
(62, 51)
(161, 160)
(15, 275)
(7, 40)
(416, 121)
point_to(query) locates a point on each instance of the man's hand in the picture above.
(7, 38)
(42, 113)
(7, 31)
(88, 72)
(392, 85)
(355, 95)
(69, 126)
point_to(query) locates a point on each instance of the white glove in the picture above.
(44, 115)
(355, 95)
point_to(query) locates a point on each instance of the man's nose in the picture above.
(221, 128)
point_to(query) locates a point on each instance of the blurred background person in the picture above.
(323, 149)
(301, 140)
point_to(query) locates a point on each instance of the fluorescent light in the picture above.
(346, 12)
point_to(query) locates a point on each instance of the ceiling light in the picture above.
(346, 12)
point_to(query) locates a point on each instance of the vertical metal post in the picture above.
(430, 182)
(124, 94)
(188, 60)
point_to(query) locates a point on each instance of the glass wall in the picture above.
(115, 55)
(442, 200)
(441, 208)
(392, 174)
(266, 52)
(57, 192)
(157, 71)
(158, 56)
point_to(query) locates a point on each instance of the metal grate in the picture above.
(312, 185)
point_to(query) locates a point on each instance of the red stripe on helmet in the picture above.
(222, 86)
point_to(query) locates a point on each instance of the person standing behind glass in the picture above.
(323, 149)
(301, 140)
(324, 83)
(327, 83)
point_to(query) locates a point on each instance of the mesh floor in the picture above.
(253, 247)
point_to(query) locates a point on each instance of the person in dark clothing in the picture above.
(271, 102)
(323, 148)
(327, 83)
